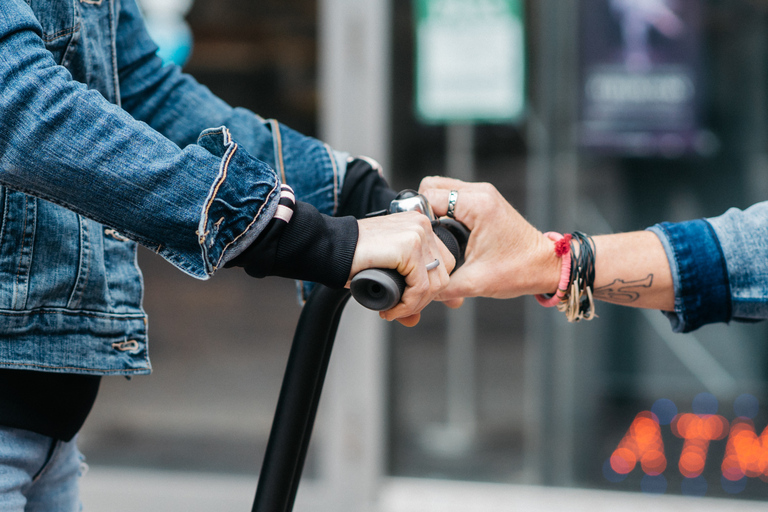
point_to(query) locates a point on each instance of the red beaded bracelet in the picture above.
(562, 248)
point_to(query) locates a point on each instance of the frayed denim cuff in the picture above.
(700, 277)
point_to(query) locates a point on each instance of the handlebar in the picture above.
(381, 289)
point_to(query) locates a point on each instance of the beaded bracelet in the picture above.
(562, 248)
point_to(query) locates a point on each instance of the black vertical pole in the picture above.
(298, 401)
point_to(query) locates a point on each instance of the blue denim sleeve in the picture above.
(700, 278)
(743, 236)
(65, 143)
(177, 106)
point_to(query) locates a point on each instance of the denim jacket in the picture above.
(719, 267)
(102, 146)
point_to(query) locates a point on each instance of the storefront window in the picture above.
(618, 403)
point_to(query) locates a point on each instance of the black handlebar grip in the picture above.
(381, 289)
(378, 289)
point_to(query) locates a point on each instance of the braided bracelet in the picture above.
(562, 248)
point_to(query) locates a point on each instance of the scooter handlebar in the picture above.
(381, 289)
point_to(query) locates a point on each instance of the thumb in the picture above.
(459, 287)
(452, 303)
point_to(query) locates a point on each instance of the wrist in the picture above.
(553, 266)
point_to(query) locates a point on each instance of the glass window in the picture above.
(540, 400)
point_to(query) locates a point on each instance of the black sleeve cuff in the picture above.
(318, 248)
(305, 245)
(310, 247)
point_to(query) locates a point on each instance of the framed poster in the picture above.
(641, 84)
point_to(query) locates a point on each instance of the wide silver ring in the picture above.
(433, 265)
(452, 198)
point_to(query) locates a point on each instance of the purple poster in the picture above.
(641, 88)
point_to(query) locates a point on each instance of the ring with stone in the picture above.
(452, 198)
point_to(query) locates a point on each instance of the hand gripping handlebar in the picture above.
(310, 354)
(381, 289)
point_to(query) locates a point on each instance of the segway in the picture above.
(376, 289)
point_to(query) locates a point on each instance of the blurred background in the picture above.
(596, 115)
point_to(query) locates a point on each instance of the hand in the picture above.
(506, 256)
(406, 243)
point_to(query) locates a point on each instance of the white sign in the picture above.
(470, 60)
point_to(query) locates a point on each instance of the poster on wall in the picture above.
(641, 80)
(470, 60)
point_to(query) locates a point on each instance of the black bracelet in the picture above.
(579, 304)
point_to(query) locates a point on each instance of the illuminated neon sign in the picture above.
(746, 452)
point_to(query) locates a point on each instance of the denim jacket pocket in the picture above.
(50, 257)
(61, 21)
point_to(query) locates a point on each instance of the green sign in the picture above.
(470, 57)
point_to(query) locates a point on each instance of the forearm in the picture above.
(507, 257)
(177, 106)
(631, 269)
(67, 144)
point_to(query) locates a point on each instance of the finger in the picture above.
(414, 299)
(438, 199)
(453, 303)
(440, 182)
(439, 277)
(410, 321)
(417, 278)
(462, 206)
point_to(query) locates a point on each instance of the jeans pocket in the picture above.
(49, 460)
(60, 20)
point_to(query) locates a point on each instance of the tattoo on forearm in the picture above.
(624, 292)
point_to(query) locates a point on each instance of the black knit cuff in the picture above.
(318, 248)
(308, 246)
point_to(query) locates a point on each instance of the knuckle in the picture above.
(486, 187)
(422, 287)
(414, 239)
(423, 222)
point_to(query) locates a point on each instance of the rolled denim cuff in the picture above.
(699, 274)
(240, 202)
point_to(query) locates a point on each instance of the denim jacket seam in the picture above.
(221, 176)
(335, 177)
(113, 48)
(4, 198)
(21, 253)
(278, 149)
(77, 301)
(72, 312)
(49, 38)
(143, 358)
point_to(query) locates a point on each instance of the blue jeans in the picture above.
(38, 473)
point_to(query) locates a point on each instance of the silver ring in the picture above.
(452, 198)
(433, 265)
